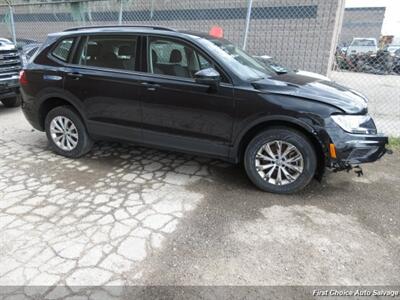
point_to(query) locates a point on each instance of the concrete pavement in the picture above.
(125, 215)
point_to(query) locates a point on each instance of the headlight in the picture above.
(355, 124)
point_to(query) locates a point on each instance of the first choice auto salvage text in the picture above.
(357, 292)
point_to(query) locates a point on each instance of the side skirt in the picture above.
(165, 141)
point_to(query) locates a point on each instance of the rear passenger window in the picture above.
(63, 49)
(114, 52)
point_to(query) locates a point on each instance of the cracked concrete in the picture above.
(126, 215)
(87, 222)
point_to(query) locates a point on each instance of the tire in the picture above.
(66, 115)
(12, 102)
(300, 158)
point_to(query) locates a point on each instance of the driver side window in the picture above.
(173, 58)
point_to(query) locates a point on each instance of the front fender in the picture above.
(305, 124)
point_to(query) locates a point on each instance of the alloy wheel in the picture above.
(64, 133)
(279, 162)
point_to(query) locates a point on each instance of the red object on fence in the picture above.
(217, 32)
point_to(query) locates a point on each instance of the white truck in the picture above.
(10, 65)
(362, 46)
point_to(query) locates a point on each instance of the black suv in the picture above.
(194, 93)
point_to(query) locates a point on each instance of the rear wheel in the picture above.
(12, 102)
(280, 160)
(66, 132)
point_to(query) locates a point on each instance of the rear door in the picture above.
(46, 77)
(103, 75)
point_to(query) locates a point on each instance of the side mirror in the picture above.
(208, 76)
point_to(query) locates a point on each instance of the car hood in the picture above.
(312, 74)
(312, 88)
(6, 47)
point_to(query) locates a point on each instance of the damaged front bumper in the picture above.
(361, 150)
(354, 149)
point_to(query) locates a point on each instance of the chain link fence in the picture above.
(369, 62)
(312, 35)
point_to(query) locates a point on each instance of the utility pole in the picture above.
(246, 30)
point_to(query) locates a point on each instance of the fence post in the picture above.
(12, 24)
(152, 10)
(121, 9)
(336, 34)
(246, 30)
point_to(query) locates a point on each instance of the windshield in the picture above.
(363, 42)
(241, 63)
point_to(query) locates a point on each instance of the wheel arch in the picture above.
(53, 101)
(319, 145)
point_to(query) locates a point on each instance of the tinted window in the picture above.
(63, 49)
(204, 63)
(115, 52)
(169, 57)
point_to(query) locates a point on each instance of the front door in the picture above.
(178, 112)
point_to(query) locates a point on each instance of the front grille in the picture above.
(10, 63)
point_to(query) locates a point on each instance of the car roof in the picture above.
(143, 29)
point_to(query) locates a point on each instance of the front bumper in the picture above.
(355, 149)
(361, 149)
(9, 87)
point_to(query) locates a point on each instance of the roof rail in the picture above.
(120, 26)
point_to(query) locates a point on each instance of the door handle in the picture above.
(74, 75)
(52, 77)
(151, 86)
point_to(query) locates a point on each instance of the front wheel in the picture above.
(66, 132)
(12, 102)
(280, 160)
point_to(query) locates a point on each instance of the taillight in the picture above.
(22, 78)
